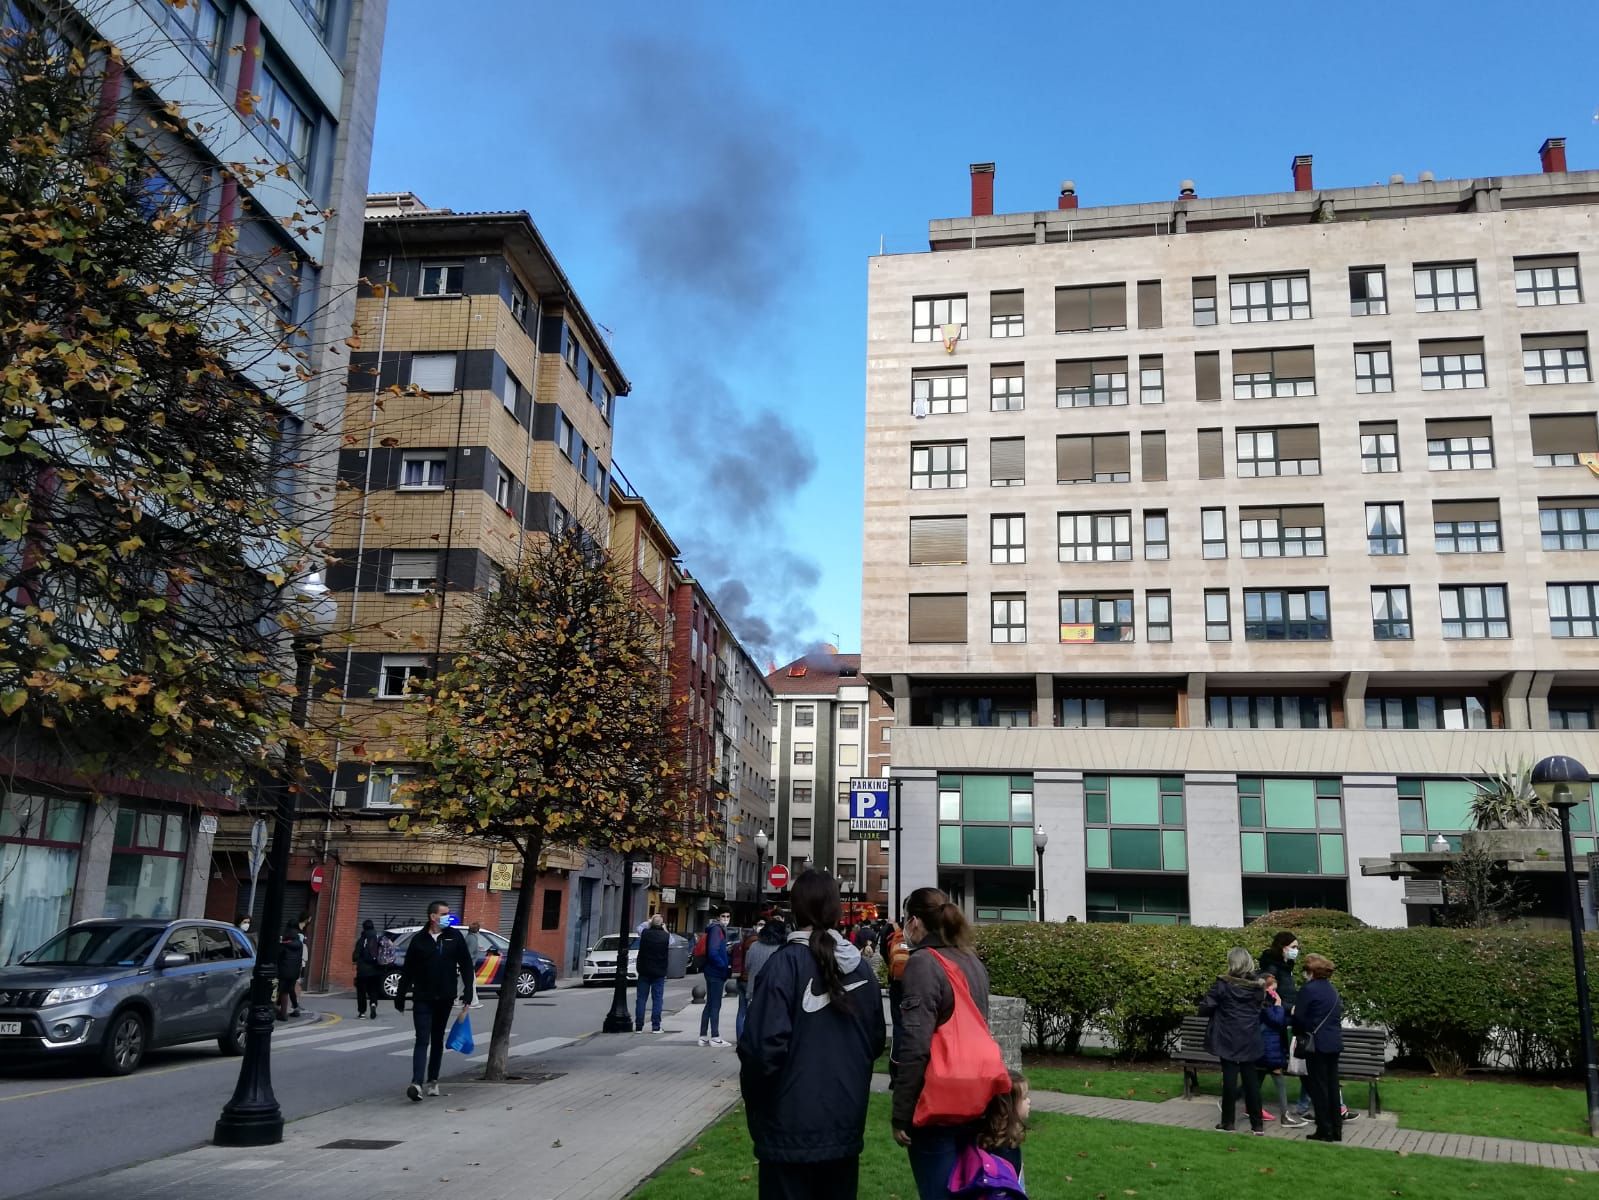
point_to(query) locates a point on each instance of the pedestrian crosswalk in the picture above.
(353, 1037)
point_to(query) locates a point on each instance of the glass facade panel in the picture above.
(1171, 805)
(1412, 815)
(1253, 846)
(1135, 849)
(1413, 843)
(1328, 812)
(1097, 844)
(143, 885)
(1291, 804)
(1449, 803)
(1021, 807)
(1134, 800)
(949, 843)
(949, 806)
(1021, 846)
(1332, 853)
(986, 846)
(985, 798)
(1291, 853)
(1250, 812)
(1174, 850)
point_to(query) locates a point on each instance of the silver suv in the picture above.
(117, 988)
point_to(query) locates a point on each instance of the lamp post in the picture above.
(1440, 844)
(252, 1117)
(619, 1019)
(760, 871)
(1564, 783)
(1040, 840)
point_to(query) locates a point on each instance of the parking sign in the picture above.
(868, 809)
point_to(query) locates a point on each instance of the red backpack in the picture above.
(697, 955)
(965, 1069)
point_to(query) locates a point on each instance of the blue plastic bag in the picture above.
(461, 1035)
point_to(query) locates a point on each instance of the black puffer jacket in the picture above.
(1233, 1005)
(1274, 964)
(806, 1060)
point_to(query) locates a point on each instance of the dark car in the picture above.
(118, 988)
(537, 973)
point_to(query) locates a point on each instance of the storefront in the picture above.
(41, 841)
(148, 852)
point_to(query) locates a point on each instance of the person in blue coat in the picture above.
(718, 966)
(1274, 1053)
(1318, 1022)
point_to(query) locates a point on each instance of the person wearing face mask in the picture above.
(718, 966)
(1277, 960)
(435, 957)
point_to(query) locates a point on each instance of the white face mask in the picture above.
(1291, 953)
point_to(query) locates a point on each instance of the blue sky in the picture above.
(714, 176)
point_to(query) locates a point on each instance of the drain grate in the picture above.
(528, 1078)
(358, 1144)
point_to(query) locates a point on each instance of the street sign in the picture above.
(500, 876)
(258, 843)
(668, 895)
(316, 879)
(208, 824)
(777, 877)
(868, 809)
(643, 872)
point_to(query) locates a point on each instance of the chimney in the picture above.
(1553, 155)
(1302, 173)
(1068, 194)
(982, 189)
(1185, 190)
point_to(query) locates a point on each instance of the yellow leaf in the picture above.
(11, 701)
(109, 653)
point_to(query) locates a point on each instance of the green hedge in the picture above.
(1452, 996)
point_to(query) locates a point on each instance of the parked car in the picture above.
(599, 964)
(537, 973)
(119, 988)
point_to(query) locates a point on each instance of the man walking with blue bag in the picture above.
(433, 960)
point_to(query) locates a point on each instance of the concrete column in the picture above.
(1355, 700)
(1215, 865)
(1517, 684)
(1198, 706)
(1058, 807)
(902, 699)
(1044, 715)
(197, 867)
(1538, 700)
(918, 856)
(1371, 830)
(94, 861)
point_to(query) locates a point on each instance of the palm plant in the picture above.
(1505, 800)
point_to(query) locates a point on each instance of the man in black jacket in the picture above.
(654, 947)
(433, 959)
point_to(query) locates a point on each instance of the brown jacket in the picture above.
(927, 1001)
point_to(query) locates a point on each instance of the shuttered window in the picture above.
(1007, 387)
(1152, 446)
(1093, 458)
(1554, 358)
(1151, 379)
(1149, 304)
(938, 617)
(433, 372)
(1267, 373)
(1558, 441)
(1211, 455)
(1460, 445)
(1007, 459)
(1551, 280)
(1005, 314)
(413, 572)
(1452, 365)
(1204, 290)
(937, 540)
(938, 392)
(1096, 306)
(1091, 383)
(1293, 531)
(1207, 375)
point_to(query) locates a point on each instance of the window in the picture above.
(1096, 537)
(800, 829)
(1091, 383)
(1157, 616)
(1151, 379)
(200, 25)
(1134, 823)
(508, 390)
(1289, 450)
(1474, 611)
(849, 755)
(422, 472)
(1288, 532)
(1226, 711)
(1554, 358)
(1259, 374)
(1446, 287)
(1005, 314)
(518, 303)
(1204, 300)
(384, 784)
(1572, 610)
(398, 672)
(1567, 526)
(1152, 452)
(560, 519)
(1451, 366)
(441, 279)
(1213, 532)
(1157, 535)
(413, 572)
(1385, 529)
(1286, 615)
(1097, 306)
(146, 871)
(1008, 620)
(1218, 621)
(1460, 445)
(1093, 458)
(938, 541)
(1466, 526)
(1207, 375)
(938, 617)
(801, 793)
(1291, 827)
(1374, 369)
(938, 392)
(1007, 538)
(987, 821)
(1149, 316)
(1212, 459)
(283, 120)
(1007, 388)
(1368, 291)
(1563, 441)
(564, 433)
(849, 717)
(938, 465)
(1102, 618)
(433, 372)
(804, 756)
(1551, 280)
(1426, 712)
(1390, 614)
(503, 488)
(1270, 298)
(40, 839)
(929, 315)
(1007, 462)
(1379, 447)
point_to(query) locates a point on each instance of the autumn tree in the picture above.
(553, 728)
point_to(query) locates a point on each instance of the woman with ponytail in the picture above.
(927, 1001)
(814, 1028)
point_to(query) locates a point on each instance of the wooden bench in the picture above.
(1364, 1057)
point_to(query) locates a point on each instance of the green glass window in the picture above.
(1413, 843)
(1582, 845)
(1174, 849)
(1449, 803)
(1582, 817)
(1138, 906)
(1096, 809)
(1145, 815)
(1329, 787)
(985, 798)
(949, 844)
(986, 845)
(1290, 804)
(1410, 787)
(1021, 846)
(1412, 813)
(1329, 812)
(1171, 803)
(1332, 853)
(1098, 848)
(1134, 800)
(1249, 787)
(1250, 813)
(1253, 847)
(1291, 854)
(1134, 849)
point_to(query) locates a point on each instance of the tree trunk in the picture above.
(505, 1009)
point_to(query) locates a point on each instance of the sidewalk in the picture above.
(588, 1121)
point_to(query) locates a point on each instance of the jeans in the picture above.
(743, 1007)
(711, 1014)
(835, 1180)
(933, 1152)
(1231, 1074)
(1322, 1079)
(431, 1020)
(1302, 1107)
(655, 989)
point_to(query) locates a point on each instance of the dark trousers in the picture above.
(711, 1014)
(933, 1152)
(655, 988)
(1321, 1078)
(288, 996)
(368, 991)
(431, 1020)
(836, 1180)
(1231, 1074)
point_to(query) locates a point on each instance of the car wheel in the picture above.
(124, 1045)
(232, 1042)
(527, 983)
(391, 984)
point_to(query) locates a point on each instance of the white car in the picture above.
(599, 964)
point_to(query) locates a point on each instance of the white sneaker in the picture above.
(432, 1089)
(657, 1029)
(705, 1041)
(716, 1041)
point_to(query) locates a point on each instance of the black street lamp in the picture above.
(252, 1117)
(1564, 783)
(761, 842)
(620, 1019)
(1040, 840)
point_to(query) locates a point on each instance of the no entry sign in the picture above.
(777, 876)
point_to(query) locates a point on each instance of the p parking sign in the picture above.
(868, 809)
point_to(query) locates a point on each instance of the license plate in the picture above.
(14, 1028)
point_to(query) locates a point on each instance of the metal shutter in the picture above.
(1457, 346)
(1474, 427)
(1303, 516)
(1006, 371)
(1424, 891)
(1207, 375)
(297, 899)
(1110, 304)
(1465, 510)
(1153, 452)
(390, 905)
(1204, 287)
(1007, 459)
(1078, 372)
(1547, 261)
(1072, 309)
(1113, 452)
(408, 566)
(1298, 363)
(1573, 434)
(937, 540)
(938, 617)
(1074, 459)
(1251, 362)
(1299, 441)
(1149, 304)
(1554, 341)
(1211, 457)
(1005, 304)
(433, 372)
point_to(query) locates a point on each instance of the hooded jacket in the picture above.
(927, 1001)
(717, 963)
(806, 1059)
(1273, 1036)
(1274, 964)
(1233, 1005)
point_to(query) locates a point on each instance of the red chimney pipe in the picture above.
(1068, 195)
(1553, 155)
(982, 189)
(1302, 173)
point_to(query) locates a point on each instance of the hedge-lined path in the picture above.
(1381, 1134)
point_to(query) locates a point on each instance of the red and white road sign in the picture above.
(316, 879)
(777, 876)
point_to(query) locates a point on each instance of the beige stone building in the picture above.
(1223, 538)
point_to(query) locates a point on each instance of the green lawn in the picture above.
(1076, 1156)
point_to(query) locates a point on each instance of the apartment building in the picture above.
(288, 87)
(831, 727)
(1276, 527)
(745, 714)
